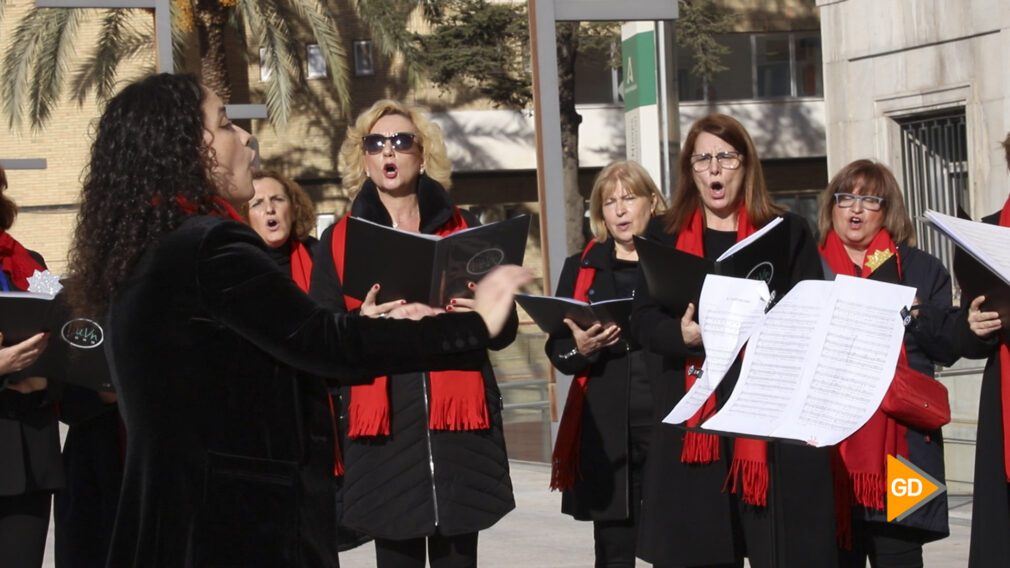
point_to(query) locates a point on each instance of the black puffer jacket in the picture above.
(404, 485)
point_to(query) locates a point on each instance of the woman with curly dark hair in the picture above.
(198, 319)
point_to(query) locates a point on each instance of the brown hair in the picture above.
(870, 178)
(686, 197)
(303, 210)
(633, 178)
(8, 210)
(1006, 149)
(434, 157)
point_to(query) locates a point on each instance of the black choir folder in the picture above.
(675, 277)
(981, 260)
(74, 353)
(550, 311)
(427, 268)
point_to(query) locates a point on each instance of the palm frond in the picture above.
(56, 48)
(332, 47)
(388, 21)
(19, 62)
(98, 71)
(180, 35)
(273, 35)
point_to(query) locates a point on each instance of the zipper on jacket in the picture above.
(427, 434)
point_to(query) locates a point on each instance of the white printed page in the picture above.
(990, 244)
(854, 365)
(729, 311)
(774, 362)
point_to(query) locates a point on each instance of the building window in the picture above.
(315, 62)
(934, 157)
(597, 81)
(759, 66)
(364, 63)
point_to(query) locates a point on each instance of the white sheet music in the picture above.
(729, 311)
(849, 334)
(990, 244)
(749, 239)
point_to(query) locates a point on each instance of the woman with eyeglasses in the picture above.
(713, 500)
(863, 223)
(425, 464)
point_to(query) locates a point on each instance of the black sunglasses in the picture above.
(375, 143)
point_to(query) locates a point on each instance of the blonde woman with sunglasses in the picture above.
(425, 467)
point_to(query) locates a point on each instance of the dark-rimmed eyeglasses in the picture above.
(726, 160)
(869, 202)
(400, 141)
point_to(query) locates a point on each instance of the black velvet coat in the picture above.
(404, 485)
(601, 491)
(198, 338)
(687, 518)
(29, 439)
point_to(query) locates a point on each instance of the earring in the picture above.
(422, 168)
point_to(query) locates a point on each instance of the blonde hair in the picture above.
(435, 159)
(755, 196)
(303, 209)
(633, 178)
(870, 178)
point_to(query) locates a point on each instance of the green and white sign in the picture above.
(638, 54)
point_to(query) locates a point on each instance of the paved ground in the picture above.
(537, 535)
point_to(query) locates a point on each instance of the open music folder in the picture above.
(675, 278)
(981, 260)
(74, 353)
(427, 268)
(817, 365)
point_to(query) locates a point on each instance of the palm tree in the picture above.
(37, 62)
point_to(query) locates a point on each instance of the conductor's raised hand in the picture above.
(370, 309)
(690, 328)
(19, 356)
(493, 296)
(594, 337)
(982, 323)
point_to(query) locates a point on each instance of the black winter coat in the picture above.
(990, 517)
(601, 491)
(29, 438)
(405, 485)
(687, 518)
(200, 338)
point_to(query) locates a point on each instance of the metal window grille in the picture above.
(934, 152)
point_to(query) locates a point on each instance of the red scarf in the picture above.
(860, 461)
(301, 264)
(221, 208)
(750, 457)
(457, 397)
(1004, 369)
(565, 460)
(16, 262)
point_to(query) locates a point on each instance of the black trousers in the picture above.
(884, 544)
(616, 540)
(85, 510)
(457, 551)
(24, 525)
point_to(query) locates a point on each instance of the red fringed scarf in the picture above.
(1004, 369)
(860, 461)
(222, 207)
(750, 457)
(457, 397)
(16, 262)
(565, 460)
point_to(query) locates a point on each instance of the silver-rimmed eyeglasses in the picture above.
(726, 160)
(869, 202)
